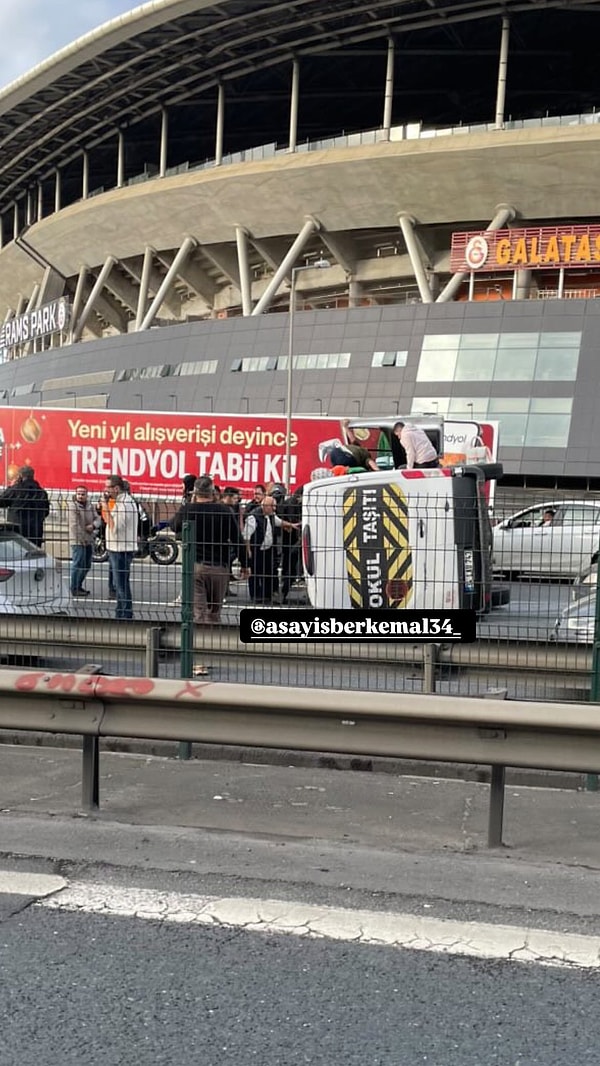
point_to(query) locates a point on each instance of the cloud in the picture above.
(32, 30)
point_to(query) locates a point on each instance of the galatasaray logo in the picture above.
(476, 252)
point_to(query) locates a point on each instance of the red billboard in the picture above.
(153, 451)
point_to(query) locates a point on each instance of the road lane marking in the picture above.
(409, 931)
(15, 883)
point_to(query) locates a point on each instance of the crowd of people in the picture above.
(262, 537)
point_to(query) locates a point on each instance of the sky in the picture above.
(32, 30)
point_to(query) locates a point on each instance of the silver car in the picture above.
(556, 538)
(576, 623)
(31, 581)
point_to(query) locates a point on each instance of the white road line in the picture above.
(14, 883)
(475, 939)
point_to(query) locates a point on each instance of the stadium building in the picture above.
(163, 179)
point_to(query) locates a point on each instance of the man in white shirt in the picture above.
(121, 541)
(420, 453)
(259, 539)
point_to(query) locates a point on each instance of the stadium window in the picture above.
(556, 364)
(515, 364)
(236, 365)
(475, 364)
(389, 359)
(192, 369)
(163, 370)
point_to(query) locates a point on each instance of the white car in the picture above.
(577, 622)
(31, 582)
(557, 538)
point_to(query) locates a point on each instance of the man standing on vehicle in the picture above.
(121, 541)
(28, 505)
(420, 453)
(81, 532)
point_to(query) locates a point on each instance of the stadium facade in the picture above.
(163, 178)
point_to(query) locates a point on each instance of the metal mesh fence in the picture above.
(535, 617)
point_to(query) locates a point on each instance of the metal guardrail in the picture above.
(26, 635)
(446, 729)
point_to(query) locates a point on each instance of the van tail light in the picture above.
(6, 574)
(307, 555)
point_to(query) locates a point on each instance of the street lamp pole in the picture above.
(320, 264)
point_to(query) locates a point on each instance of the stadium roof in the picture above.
(172, 53)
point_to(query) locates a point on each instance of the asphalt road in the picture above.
(109, 990)
(533, 608)
(153, 932)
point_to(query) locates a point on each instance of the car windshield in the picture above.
(14, 548)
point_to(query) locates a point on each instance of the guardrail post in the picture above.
(497, 786)
(591, 781)
(429, 664)
(187, 615)
(90, 774)
(152, 650)
(496, 812)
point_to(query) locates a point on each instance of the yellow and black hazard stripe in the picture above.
(379, 567)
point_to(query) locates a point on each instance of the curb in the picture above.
(308, 760)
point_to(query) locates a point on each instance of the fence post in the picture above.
(152, 650)
(591, 783)
(187, 615)
(429, 663)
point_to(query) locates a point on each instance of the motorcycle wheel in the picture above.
(99, 552)
(164, 551)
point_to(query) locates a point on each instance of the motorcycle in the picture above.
(160, 545)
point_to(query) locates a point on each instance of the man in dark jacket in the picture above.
(28, 506)
(290, 511)
(216, 536)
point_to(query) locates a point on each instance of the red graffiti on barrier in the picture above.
(94, 685)
(192, 688)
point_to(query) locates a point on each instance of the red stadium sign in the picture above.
(536, 248)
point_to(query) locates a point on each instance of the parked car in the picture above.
(557, 539)
(576, 623)
(586, 580)
(31, 581)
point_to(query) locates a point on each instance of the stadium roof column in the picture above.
(164, 142)
(32, 304)
(40, 204)
(78, 298)
(57, 190)
(85, 174)
(407, 223)
(502, 71)
(120, 159)
(389, 89)
(188, 244)
(286, 264)
(220, 125)
(293, 139)
(241, 236)
(504, 213)
(144, 285)
(92, 299)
